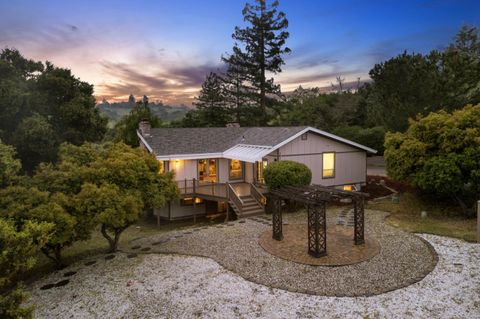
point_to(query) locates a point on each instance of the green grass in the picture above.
(443, 219)
(97, 244)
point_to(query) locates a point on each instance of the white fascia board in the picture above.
(188, 156)
(144, 142)
(323, 133)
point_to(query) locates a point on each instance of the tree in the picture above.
(115, 210)
(48, 99)
(18, 247)
(263, 42)
(110, 185)
(9, 165)
(23, 205)
(210, 105)
(440, 153)
(126, 128)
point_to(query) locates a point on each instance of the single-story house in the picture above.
(221, 168)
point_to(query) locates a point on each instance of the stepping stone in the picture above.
(145, 249)
(62, 283)
(89, 263)
(136, 247)
(242, 221)
(109, 257)
(132, 255)
(187, 233)
(230, 225)
(69, 273)
(48, 286)
(159, 242)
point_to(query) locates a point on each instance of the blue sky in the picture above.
(165, 48)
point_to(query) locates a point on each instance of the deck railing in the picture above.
(196, 187)
(233, 196)
(255, 192)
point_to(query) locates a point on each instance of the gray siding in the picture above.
(350, 162)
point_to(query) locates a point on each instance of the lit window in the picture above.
(328, 165)
(161, 167)
(260, 170)
(189, 201)
(348, 187)
(236, 169)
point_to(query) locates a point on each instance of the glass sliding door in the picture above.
(236, 168)
(207, 170)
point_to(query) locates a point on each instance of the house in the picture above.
(221, 168)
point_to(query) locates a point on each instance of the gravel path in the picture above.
(173, 286)
(403, 258)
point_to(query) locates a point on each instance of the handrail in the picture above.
(255, 192)
(195, 187)
(232, 195)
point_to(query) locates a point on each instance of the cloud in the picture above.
(173, 84)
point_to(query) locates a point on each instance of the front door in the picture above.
(207, 170)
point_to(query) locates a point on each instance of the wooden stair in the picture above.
(250, 207)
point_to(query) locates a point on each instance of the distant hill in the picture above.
(115, 111)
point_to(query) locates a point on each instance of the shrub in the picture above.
(287, 173)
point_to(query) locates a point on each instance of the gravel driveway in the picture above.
(174, 286)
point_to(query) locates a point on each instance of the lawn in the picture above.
(443, 219)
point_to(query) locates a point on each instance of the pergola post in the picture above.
(277, 233)
(317, 230)
(359, 221)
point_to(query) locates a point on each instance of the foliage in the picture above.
(287, 173)
(263, 44)
(115, 209)
(45, 104)
(122, 182)
(9, 165)
(18, 247)
(440, 153)
(126, 128)
(24, 205)
(412, 84)
(372, 137)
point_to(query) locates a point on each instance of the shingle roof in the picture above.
(170, 141)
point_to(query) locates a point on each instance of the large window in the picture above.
(236, 170)
(207, 170)
(328, 163)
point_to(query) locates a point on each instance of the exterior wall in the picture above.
(178, 212)
(350, 162)
(248, 172)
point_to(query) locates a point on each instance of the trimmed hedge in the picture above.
(286, 173)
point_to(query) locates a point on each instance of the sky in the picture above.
(164, 49)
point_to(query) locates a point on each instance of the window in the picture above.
(260, 170)
(348, 187)
(207, 170)
(328, 162)
(236, 170)
(189, 201)
(161, 167)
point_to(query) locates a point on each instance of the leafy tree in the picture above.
(115, 210)
(287, 173)
(372, 137)
(126, 128)
(263, 41)
(9, 165)
(18, 247)
(440, 153)
(35, 140)
(37, 98)
(24, 205)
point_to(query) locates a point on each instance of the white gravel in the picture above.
(174, 286)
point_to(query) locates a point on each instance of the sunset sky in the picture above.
(164, 49)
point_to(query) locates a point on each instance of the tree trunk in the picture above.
(112, 241)
(56, 257)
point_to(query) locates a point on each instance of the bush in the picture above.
(372, 137)
(287, 173)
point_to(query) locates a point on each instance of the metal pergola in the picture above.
(315, 199)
